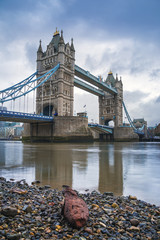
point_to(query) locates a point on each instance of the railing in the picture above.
(20, 115)
(105, 128)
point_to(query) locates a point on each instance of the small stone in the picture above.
(115, 205)
(89, 230)
(13, 236)
(134, 222)
(102, 224)
(47, 230)
(129, 208)
(133, 228)
(38, 218)
(95, 205)
(120, 223)
(35, 182)
(27, 208)
(9, 211)
(107, 210)
(108, 194)
(58, 227)
(132, 197)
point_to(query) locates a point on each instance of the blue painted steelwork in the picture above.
(23, 82)
(78, 83)
(138, 131)
(85, 75)
(23, 116)
(102, 128)
(25, 86)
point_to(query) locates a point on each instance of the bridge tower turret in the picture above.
(57, 94)
(110, 106)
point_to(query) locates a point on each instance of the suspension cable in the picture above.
(50, 99)
(24, 103)
(27, 103)
(19, 104)
(42, 100)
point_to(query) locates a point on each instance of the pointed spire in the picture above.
(72, 46)
(56, 32)
(61, 37)
(40, 47)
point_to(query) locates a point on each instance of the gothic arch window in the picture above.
(108, 101)
(108, 110)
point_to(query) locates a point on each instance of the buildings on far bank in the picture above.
(157, 130)
(10, 129)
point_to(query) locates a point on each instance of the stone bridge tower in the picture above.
(56, 95)
(110, 106)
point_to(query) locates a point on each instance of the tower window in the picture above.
(108, 110)
(108, 101)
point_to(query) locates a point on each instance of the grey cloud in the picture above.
(134, 96)
(138, 109)
(155, 74)
(31, 50)
(158, 100)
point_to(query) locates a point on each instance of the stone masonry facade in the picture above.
(110, 106)
(56, 95)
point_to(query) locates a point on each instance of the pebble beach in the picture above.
(34, 212)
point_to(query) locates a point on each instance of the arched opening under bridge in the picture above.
(109, 122)
(47, 110)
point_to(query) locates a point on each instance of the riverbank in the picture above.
(34, 212)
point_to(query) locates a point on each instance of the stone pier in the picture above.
(62, 129)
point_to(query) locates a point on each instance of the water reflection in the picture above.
(85, 167)
(111, 169)
(11, 161)
(122, 168)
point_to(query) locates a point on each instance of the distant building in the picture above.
(10, 129)
(2, 124)
(151, 132)
(3, 108)
(139, 122)
(82, 114)
(157, 130)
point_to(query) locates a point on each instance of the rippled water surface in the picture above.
(122, 168)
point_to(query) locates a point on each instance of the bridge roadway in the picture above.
(101, 128)
(11, 116)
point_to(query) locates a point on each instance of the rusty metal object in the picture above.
(75, 210)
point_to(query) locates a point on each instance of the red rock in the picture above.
(75, 210)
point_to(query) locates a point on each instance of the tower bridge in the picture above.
(54, 83)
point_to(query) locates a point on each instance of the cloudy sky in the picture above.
(118, 35)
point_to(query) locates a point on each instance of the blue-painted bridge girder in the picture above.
(101, 128)
(85, 75)
(84, 86)
(11, 116)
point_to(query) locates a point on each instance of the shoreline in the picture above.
(34, 212)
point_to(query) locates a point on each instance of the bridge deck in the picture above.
(11, 116)
(101, 128)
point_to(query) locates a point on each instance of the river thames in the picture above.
(122, 168)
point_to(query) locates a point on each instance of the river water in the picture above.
(121, 168)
